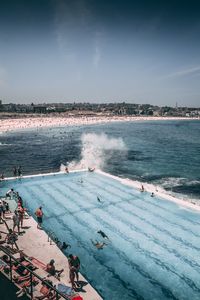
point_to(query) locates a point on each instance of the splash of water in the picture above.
(96, 150)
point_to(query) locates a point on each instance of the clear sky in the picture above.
(100, 51)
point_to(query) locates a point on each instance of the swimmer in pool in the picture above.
(103, 234)
(98, 245)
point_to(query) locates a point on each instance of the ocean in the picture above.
(163, 153)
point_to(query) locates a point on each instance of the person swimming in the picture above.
(99, 200)
(62, 245)
(80, 181)
(98, 245)
(103, 234)
(65, 246)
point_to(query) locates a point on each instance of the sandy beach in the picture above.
(13, 124)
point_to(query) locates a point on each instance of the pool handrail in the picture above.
(11, 257)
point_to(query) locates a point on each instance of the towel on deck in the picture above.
(66, 290)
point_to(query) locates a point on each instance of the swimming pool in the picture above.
(153, 251)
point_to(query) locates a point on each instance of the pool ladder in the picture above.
(52, 238)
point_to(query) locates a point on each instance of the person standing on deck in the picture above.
(1, 212)
(4, 209)
(142, 188)
(16, 222)
(15, 172)
(21, 212)
(74, 266)
(19, 171)
(39, 215)
(19, 201)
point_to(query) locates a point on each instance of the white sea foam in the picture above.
(93, 150)
(4, 144)
(171, 182)
(62, 168)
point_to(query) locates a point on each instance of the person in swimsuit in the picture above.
(98, 245)
(50, 268)
(39, 215)
(74, 265)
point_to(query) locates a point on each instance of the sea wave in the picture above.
(180, 187)
(4, 144)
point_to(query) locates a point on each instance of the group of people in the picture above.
(74, 267)
(12, 236)
(21, 275)
(17, 217)
(19, 213)
(143, 190)
(2, 177)
(17, 171)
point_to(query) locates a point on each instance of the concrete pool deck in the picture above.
(34, 243)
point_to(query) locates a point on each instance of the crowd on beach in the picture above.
(24, 123)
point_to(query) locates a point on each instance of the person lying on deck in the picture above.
(25, 285)
(46, 291)
(20, 268)
(50, 268)
(21, 278)
(51, 295)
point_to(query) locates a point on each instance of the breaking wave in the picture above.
(96, 150)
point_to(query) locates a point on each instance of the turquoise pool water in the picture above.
(153, 251)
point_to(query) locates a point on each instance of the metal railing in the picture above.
(52, 237)
(32, 274)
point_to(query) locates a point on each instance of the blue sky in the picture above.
(100, 51)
